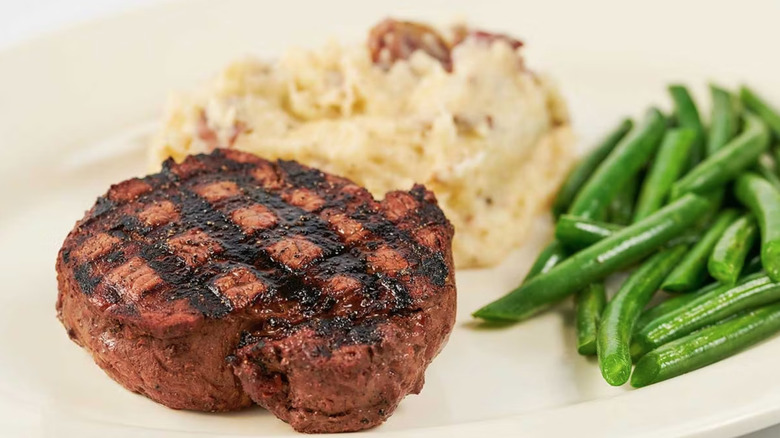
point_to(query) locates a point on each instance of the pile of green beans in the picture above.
(677, 203)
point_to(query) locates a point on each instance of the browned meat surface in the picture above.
(228, 279)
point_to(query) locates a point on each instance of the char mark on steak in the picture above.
(228, 248)
(174, 235)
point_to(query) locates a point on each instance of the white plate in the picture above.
(76, 108)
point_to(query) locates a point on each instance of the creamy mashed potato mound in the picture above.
(489, 137)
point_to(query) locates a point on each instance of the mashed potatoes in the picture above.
(488, 136)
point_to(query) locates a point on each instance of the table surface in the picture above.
(23, 20)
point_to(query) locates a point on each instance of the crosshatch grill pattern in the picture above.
(231, 233)
(228, 279)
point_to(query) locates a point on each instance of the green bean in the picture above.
(670, 304)
(727, 163)
(667, 166)
(691, 271)
(620, 315)
(762, 108)
(677, 301)
(577, 233)
(623, 163)
(706, 309)
(585, 168)
(592, 264)
(729, 254)
(688, 117)
(707, 346)
(764, 201)
(621, 209)
(550, 256)
(590, 304)
(724, 122)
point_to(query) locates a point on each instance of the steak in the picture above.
(228, 279)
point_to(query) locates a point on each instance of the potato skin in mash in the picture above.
(490, 137)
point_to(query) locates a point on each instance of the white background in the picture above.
(24, 19)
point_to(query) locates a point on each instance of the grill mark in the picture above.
(197, 212)
(205, 299)
(302, 176)
(303, 287)
(334, 259)
(355, 261)
(355, 264)
(171, 268)
(237, 247)
(111, 295)
(428, 263)
(130, 225)
(399, 291)
(295, 220)
(344, 331)
(183, 282)
(296, 289)
(244, 249)
(115, 257)
(195, 284)
(428, 212)
(180, 279)
(85, 279)
(102, 205)
(334, 332)
(435, 268)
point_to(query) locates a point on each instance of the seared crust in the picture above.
(167, 275)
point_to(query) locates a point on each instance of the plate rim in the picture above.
(736, 422)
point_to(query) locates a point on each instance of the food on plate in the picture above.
(764, 201)
(728, 162)
(687, 116)
(669, 163)
(585, 201)
(690, 272)
(679, 300)
(228, 279)
(553, 254)
(621, 210)
(590, 305)
(730, 252)
(684, 229)
(724, 118)
(575, 233)
(768, 114)
(617, 323)
(584, 169)
(456, 109)
(620, 166)
(595, 262)
(718, 304)
(707, 346)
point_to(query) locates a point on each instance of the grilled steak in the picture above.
(228, 279)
